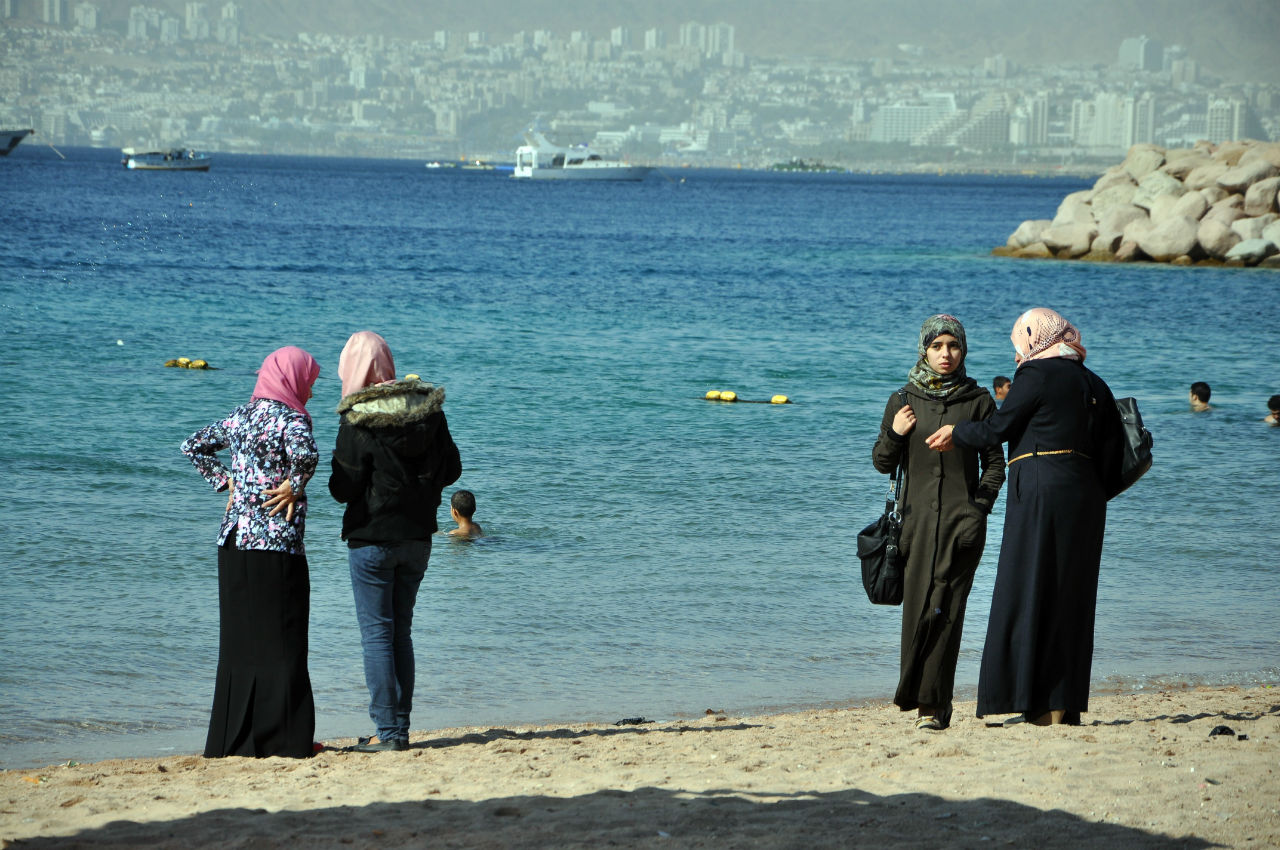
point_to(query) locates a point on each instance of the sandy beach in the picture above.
(1143, 771)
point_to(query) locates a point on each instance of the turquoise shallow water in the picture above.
(649, 553)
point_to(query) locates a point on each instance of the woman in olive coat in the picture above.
(946, 499)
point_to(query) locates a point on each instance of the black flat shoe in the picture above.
(368, 745)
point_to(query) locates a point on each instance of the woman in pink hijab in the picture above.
(1065, 438)
(393, 457)
(262, 704)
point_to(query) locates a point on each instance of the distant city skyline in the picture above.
(196, 73)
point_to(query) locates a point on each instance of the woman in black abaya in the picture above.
(1065, 437)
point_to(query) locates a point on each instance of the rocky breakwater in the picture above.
(1210, 204)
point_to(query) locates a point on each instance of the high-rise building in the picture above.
(1038, 120)
(1141, 54)
(693, 34)
(655, 39)
(904, 121)
(86, 16)
(1230, 118)
(620, 37)
(197, 27)
(1139, 120)
(1172, 53)
(719, 39)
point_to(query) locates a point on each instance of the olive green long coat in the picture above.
(946, 500)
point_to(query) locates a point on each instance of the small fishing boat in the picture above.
(174, 159)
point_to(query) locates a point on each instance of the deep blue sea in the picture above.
(649, 553)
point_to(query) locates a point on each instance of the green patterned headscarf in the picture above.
(931, 382)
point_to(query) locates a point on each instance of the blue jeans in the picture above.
(384, 580)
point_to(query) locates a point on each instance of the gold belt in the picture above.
(1014, 460)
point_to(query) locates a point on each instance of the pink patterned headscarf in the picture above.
(286, 376)
(365, 360)
(1040, 333)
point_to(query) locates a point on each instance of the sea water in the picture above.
(648, 553)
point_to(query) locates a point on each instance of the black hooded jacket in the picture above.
(393, 458)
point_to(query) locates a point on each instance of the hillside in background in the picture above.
(1234, 39)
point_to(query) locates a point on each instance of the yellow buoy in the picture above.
(184, 362)
(728, 395)
(173, 363)
(779, 399)
(199, 364)
(412, 377)
(712, 395)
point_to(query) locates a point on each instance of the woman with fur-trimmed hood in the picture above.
(393, 457)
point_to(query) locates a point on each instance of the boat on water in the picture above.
(174, 159)
(9, 139)
(539, 159)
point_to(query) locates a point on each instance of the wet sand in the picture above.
(1143, 771)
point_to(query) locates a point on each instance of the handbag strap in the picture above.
(897, 477)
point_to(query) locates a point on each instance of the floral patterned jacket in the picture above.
(269, 441)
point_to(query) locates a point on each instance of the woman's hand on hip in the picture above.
(940, 440)
(904, 421)
(281, 498)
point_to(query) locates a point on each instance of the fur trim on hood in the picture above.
(391, 404)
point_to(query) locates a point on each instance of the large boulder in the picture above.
(1251, 228)
(1205, 175)
(1135, 230)
(1268, 151)
(1028, 233)
(1252, 251)
(1074, 208)
(1162, 207)
(1216, 238)
(1105, 243)
(1117, 195)
(1260, 199)
(1214, 193)
(1172, 238)
(1113, 176)
(1155, 185)
(1240, 178)
(1230, 153)
(1181, 166)
(1142, 160)
(1227, 210)
(1271, 232)
(1034, 251)
(1129, 252)
(1118, 218)
(1072, 239)
(1191, 205)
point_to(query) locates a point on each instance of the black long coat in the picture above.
(1065, 437)
(947, 498)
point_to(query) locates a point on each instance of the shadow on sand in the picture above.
(643, 818)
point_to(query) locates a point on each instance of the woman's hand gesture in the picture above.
(940, 440)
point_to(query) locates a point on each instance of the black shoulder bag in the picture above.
(882, 561)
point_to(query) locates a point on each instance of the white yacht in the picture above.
(538, 159)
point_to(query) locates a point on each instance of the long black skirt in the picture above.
(262, 704)
(1039, 648)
